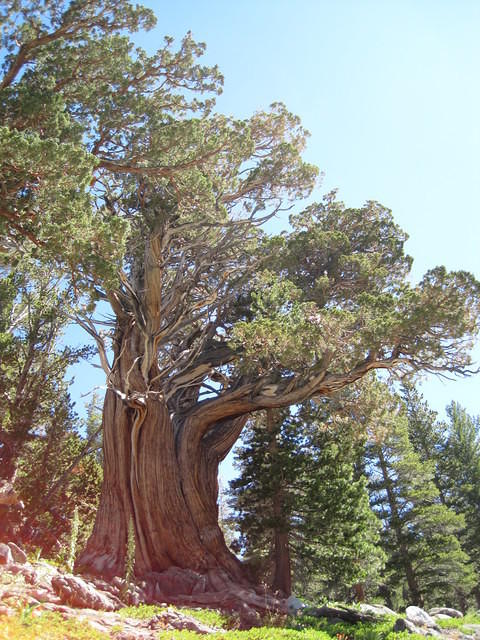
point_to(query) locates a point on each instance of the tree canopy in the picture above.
(116, 169)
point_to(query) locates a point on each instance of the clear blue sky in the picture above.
(390, 91)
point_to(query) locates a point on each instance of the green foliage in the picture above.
(52, 462)
(210, 617)
(459, 467)
(420, 534)
(453, 448)
(336, 290)
(56, 476)
(300, 479)
(46, 625)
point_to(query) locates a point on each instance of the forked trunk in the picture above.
(162, 477)
(172, 498)
(161, 474)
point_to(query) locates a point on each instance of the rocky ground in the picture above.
(39, 586)
(418, 621)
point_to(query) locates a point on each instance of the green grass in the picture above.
(260, 633)
(210, 617)
(458, 623)
(25, 625)
(382, 630)
(301, 628)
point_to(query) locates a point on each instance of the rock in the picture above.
(45, 595)
(420, 618)
(475, 628)
(18, 554)
(341, 613)
(6, 556)
(294, 604)
(441, 616)
(377, 609)
(405, 625)
(6, 611)
(402, 624)
(78, 593)
(451, 613)
(29, 574)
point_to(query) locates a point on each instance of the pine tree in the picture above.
(454, 449)
(425, 560)
(302, 512)
(43, 453)
(460, 471)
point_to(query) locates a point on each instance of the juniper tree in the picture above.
(120, 160)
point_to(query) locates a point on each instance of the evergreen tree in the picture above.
(39, 433)
(426, 564)
(460, 471)
(58, 473)
(454, 449)
(300, 507)
(114, 165)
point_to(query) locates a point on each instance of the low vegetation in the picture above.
(210, 617)
(30, 624)
(26, 625)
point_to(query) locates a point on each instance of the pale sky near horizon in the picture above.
(389, 90)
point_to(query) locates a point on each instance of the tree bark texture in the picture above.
(162, 474)
(282, 579)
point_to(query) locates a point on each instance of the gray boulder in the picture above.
(420, 618)
(294, 605)
(77, 593)
(18, 554)
(377, 609)
(6, 556)
(401, 624)
(475, 628)
(446, 611)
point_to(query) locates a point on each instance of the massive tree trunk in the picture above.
(162, 474)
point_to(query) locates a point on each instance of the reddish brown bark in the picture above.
(282, 579)
(162, 474)
(170, 491)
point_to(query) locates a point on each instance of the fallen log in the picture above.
(342, 613)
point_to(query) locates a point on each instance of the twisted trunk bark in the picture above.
(162, 474)
(167, 486)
